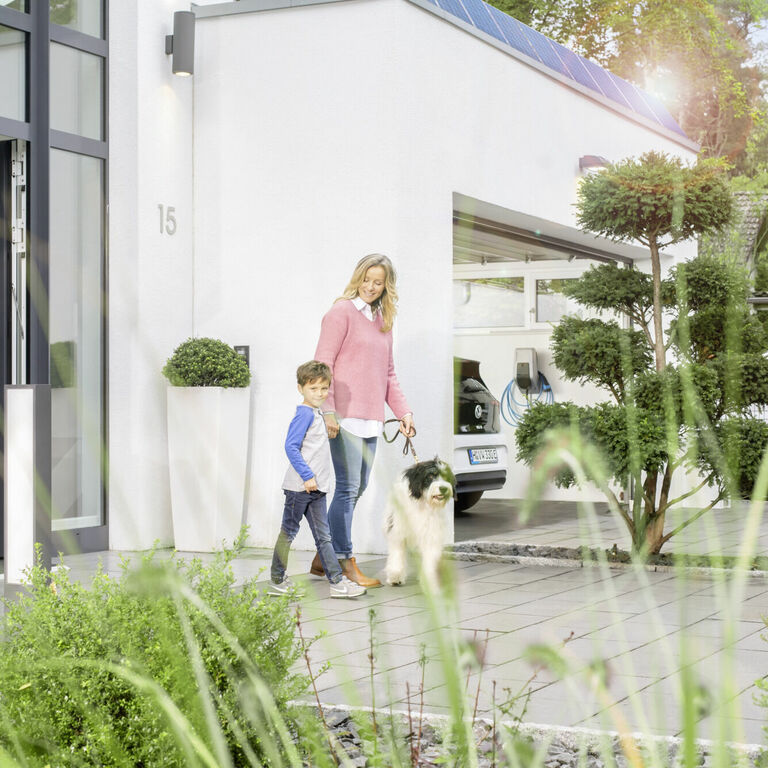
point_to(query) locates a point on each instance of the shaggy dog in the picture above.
(414, 519)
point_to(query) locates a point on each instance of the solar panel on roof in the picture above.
(575, 66)
(605, 82)
(524, 39)
(544, 51)
(456, 8)
(663, 115)
(632, 96)
(481, 18)
(512, 32)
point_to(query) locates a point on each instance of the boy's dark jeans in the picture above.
(311, 505)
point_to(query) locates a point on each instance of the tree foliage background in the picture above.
(699, 56)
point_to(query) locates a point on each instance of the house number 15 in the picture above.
(167, 219)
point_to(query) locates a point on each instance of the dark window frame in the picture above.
(40, 140)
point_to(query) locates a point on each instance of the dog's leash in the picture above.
(408, 443)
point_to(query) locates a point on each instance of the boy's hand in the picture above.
(331, 424)
(310, 485)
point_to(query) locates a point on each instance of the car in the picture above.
(479, 447)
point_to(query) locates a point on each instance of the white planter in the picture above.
(207, 453)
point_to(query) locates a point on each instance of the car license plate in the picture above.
(483, 456)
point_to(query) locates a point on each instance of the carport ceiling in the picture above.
(480, 242)
(484, 233)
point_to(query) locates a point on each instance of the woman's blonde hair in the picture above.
(387, 302)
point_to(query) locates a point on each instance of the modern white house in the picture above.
(235, 202)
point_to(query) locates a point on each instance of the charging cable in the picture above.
(513, 409)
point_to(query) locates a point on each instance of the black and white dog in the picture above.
(415, 519)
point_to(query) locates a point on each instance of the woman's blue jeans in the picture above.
(352, 458)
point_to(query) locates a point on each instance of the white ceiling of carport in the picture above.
(484, 233)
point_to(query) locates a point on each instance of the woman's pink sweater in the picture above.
(360, 358)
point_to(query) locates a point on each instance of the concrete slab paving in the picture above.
(641, 627)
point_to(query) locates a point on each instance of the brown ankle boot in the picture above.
(353, 573)
(316, 569)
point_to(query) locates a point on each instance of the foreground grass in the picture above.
(170, 665)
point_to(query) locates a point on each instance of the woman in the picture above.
(356, 343)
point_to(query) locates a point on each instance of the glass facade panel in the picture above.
(16, 5)
(13, 88)
(493, 302)
(552, 303)
(76, 91)
(75, 329)
(83, 15)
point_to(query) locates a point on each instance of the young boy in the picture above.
(306, 482)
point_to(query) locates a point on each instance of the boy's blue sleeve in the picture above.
(296, 430)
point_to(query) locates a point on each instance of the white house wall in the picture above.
(150, 274)
(326, 132)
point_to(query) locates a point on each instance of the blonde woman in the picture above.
(356, 343)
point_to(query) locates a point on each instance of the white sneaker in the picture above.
(346, 588)
(281, 588)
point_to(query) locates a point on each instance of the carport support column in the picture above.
(27, 480)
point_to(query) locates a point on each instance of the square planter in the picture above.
(207, 454)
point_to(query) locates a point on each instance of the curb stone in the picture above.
(566, 745)
(525, 554)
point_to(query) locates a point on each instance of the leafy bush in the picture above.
(150, 669)
(206, 363)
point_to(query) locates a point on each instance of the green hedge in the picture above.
(90, 676)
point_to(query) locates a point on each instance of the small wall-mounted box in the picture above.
(527, 369)
(244, 351)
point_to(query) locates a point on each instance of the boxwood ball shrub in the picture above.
(151, 668)
(206, 363)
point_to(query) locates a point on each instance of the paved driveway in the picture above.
(647, 628)
(650, 629)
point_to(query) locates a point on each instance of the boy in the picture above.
(306, 482)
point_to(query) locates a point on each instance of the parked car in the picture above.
(479, 448)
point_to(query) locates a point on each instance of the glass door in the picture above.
(13, 277)
(18, 263)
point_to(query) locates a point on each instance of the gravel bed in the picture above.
(567, 747)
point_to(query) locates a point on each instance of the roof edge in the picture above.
(235, 7)
(552, 74)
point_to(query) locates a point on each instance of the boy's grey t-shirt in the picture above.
(308, 450)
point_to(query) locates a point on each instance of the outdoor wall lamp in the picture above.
(182, 43)
(589, 163)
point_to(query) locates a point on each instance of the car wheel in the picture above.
(464, 501)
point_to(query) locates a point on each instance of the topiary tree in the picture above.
(657, 201)
(206, 362)
(697, 412)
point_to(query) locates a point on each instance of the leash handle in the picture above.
(408, 443)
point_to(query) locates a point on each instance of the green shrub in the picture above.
(91, 675)
(206, 363)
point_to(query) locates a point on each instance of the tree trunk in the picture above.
(640, 529)
(658, 327)
(654, 533)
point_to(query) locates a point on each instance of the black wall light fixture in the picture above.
(182, 43)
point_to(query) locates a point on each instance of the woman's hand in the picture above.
(331, 424)
(406, 425)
